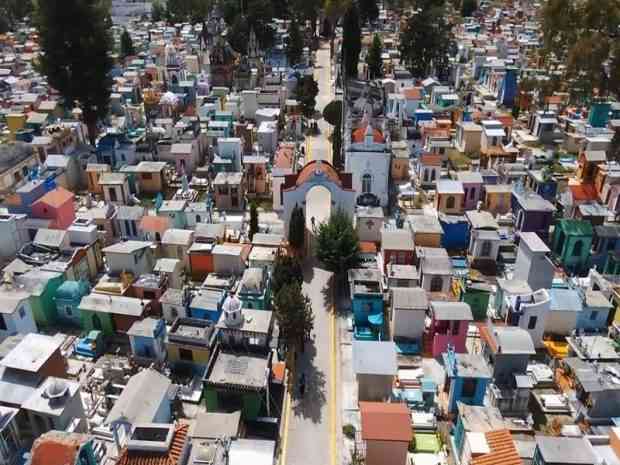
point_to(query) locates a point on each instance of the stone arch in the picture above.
(317, 173)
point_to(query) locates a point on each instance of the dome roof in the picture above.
(71, 290)
(360, 133)
(231, 304)
(323, 168)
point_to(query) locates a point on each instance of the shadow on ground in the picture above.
(309, 406)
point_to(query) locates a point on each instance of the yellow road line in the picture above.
(287, 412)
(332, 327)
(308, 149)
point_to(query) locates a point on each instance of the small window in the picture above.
(135, 259)
(531, 324)
(577, 248)
(2, 323)
(174, 313)
(22, 312)
(148, 295)
(186, 355)
(486, 249)
(450, 202)
(68, 310)
(593, 315)
(436, 284)
(198, 219)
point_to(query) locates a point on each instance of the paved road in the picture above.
(319, 147)
(309, 438)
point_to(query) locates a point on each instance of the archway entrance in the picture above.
(318, 209)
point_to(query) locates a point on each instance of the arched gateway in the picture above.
(317, 173)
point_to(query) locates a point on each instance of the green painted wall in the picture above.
(251, 402)
(478, 301)
(211, 399)
(251, 405)
(87, 316)
(44, 306)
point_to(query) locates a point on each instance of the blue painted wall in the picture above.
(456, 388)
(455, 234)
(592, 318)
(364, 305)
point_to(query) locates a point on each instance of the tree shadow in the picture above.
(309, 406)
(308, 269)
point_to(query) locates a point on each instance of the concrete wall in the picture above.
(407, 324)
(375, 388)
(386, 452)
(561, 322)
(18, 324)
(534, 268)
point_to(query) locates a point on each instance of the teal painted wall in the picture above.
(88, 321)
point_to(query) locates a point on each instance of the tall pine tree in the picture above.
(253, 220)
(351, 41)
(126, 45)
(374, 60)
(369, 10)
(75, 41)
(295, 44)
(297, 229)
(425, 41)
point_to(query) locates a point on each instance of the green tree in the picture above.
(297, 228)
(158, 11)
(13, 11)
(76, 55)
(243, 15)
(351, 40)
(374, 59)
(193, 11)
(4, 23)
(294, 315)
(425, 40)
(306, 91)
(369, 11)
(286, 270)
(338, 244)
(126, 45)
(294, 44)
(613, 153)
(468, 7)
(307, 10)
(333, 112)
(337, 160)
(253, 220)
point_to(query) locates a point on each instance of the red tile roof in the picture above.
(360, 133)
(153, 223)
(57, 448)
(430, 159)
(310, 169)
(412, 93)
(57, 197)
(584, 192)
(171, 457)
(368, 247)
(385, 422)
(503, 450)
